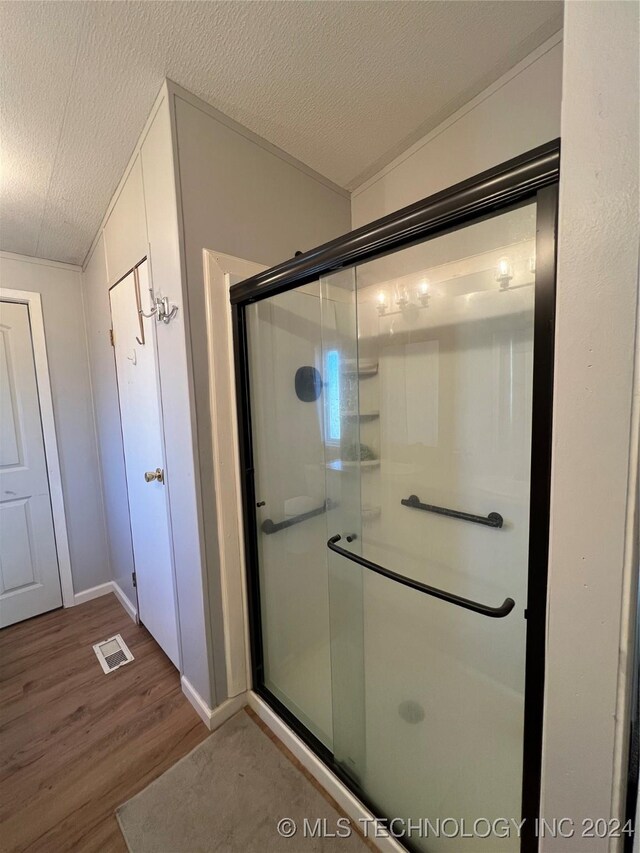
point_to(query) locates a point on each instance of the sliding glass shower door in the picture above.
(429, 537)
(287, 411)
(395, 408)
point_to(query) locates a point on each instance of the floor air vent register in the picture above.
(112, 653)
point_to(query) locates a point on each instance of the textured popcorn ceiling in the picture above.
(342, 86)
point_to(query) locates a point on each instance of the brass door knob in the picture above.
(157, 475)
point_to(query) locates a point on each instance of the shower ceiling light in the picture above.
(504, 273)
(402, 297)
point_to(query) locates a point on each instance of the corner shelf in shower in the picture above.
(343, 465)
(363, 417)
(363, 368)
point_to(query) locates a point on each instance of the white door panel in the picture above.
(29, 576)
(141, 414)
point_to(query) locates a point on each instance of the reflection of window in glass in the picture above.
(332, 392)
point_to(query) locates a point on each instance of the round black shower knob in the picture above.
(308, 384)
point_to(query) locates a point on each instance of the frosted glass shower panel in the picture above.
(288, 422)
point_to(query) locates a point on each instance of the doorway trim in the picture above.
(33, 301)
(219, 272)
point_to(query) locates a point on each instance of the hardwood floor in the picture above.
(75, 743)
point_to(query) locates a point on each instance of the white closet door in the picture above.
(142, 434)
(29, 577)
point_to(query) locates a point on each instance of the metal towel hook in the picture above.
(162, 310)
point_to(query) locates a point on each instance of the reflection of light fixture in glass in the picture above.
(423, 293)
(504, 273)
(402, 297)
(381, 304)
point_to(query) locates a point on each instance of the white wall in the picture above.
(593, 552)
(518, 112)
(107, 415)
(243, 197)
(60, 288)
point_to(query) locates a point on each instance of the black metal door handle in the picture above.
(269, 526)
(495, 612)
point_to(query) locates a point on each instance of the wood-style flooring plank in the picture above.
(75, 743)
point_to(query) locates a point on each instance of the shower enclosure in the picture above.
(394, 399)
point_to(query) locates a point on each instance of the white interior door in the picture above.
(29, 576)
(142, 434)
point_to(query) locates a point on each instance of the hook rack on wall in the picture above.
(162, 310)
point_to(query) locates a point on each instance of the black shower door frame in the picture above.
(533, 176)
